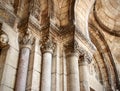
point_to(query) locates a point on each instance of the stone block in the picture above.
(5, 88)
(8, 77)
(12, 57)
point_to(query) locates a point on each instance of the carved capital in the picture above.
(27, 40)
(3, 40)
(85, 59)
(47, 45)
(72, 48)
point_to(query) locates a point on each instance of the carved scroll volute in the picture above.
(27, 40)
(47, 44)
(3, 40)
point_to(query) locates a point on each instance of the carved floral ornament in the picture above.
(27, 39)
(47, 44)
(3, 40)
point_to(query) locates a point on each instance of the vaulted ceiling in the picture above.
(108, 15)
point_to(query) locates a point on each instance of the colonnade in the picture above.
(76, 74)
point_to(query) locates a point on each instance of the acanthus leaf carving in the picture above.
(27, 38)
(47, 44)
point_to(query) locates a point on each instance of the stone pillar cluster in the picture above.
(76, 64)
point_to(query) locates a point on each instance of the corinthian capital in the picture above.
(27, 39)
(3, 40)
(47, 45)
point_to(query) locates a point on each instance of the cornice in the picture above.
(35, 23)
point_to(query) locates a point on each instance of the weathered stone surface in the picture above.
(42, 43)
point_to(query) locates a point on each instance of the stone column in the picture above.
(47, 51)
(72, 57)
(26, 44)
(84, 73)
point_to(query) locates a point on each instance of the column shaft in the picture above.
(73, 73)
(22, 70)
(84, 76)
(46, 72)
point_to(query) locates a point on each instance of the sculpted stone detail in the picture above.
(27, 39)
(86, 40)
(87, 57)
(73, 48)
(3, 40)
(47, 44)
(34, 8)
(10, 2)
(39, 9)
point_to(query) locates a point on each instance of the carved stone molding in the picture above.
(47, 45)
(85, 40)
(27, 40)
(3, 40)
(72, 48)
(87, 57)
(34, 8)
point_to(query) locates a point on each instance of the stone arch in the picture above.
(105, 56)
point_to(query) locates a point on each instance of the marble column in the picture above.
(26, 43)
(47, 51)
(84, 74)
(72, 57)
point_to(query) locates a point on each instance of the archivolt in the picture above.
(105, 56)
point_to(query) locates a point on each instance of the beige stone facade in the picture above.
(59, 45)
